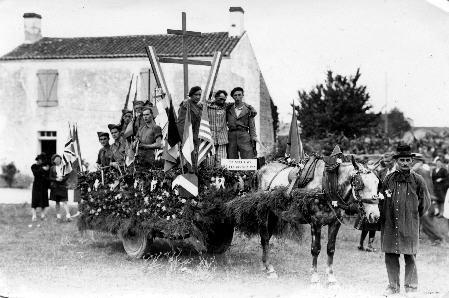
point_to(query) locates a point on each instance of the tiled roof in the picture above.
(123, 46)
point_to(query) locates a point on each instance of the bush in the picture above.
(9, 171)
(22, 181)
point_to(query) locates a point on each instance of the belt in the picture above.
(239, 129)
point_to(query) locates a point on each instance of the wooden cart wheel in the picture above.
(136, 245)
(219, 238)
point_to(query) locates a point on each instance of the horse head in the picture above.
(363, 188)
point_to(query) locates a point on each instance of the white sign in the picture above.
(239, 164)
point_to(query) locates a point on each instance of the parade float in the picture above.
(143, 202)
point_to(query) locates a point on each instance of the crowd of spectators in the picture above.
(430, 146)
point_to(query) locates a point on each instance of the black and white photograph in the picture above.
(239, 148)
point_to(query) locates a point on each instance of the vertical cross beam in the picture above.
(185, 65)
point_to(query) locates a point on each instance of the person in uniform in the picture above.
(406, 200)
(39, 194)
(149, 137)
(196, 108)
(217, 120)
(127, 117)
(104, 155)
(242, 128)
(138, 120)
(118, 147)
(58, 187)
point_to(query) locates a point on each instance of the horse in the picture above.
(356, 183)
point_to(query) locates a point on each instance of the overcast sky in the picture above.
(401, 46)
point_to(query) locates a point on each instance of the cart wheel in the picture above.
(219, 239)
(136, 245)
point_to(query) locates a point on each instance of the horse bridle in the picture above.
(357, 185)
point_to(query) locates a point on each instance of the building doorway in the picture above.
(48, 143)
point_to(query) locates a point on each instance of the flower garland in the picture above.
(142, 199)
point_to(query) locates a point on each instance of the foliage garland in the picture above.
(140, 199)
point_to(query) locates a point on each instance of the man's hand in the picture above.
(46, 167)
(439, 179)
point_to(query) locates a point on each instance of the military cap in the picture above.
(102, 133)
(112, 126)
(126, 111)
(138, 103)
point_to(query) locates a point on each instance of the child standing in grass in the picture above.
(39, 195)
(59, 192)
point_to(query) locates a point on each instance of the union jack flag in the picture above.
(69, 155)
(205, 135)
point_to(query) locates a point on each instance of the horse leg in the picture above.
(331, 239)
(316, 248)
(265, 235)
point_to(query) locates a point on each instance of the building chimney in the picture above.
(236, 16)
(32, 24)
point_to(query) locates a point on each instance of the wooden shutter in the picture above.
(47, 82)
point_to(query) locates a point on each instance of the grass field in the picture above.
(55, 260)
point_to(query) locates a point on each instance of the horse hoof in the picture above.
(272, 275)
(331, 279)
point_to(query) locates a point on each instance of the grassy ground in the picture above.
(55, 260)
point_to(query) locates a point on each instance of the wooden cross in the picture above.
(184, 61)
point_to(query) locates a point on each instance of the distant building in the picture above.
(48, 82)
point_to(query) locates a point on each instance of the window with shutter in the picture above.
(47, 84)
(147, 84)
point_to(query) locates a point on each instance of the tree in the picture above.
(335, 107)
(397, 124)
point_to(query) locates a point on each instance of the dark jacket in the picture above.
(244, 121)
(39, 194)
(406, 200)
(104, 156)
(441, 186)
(195, 118)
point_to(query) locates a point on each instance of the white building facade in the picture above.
(48, 82)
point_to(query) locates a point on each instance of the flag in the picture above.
(69, 156)
(295, 150)
(187, 138)
(77, 147)
(171, 150)
(187, 185)
(205, 135)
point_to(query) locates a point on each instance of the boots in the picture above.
(370, 247)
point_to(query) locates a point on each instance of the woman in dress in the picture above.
(39, 194)
(58, 187)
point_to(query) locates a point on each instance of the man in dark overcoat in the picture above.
(406, 200)
(242, 128)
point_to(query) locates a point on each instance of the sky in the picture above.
(400, 46)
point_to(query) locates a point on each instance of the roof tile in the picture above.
(123, 46)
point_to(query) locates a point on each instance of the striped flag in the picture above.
(205, 135)
(187, 138)
(187, 185)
